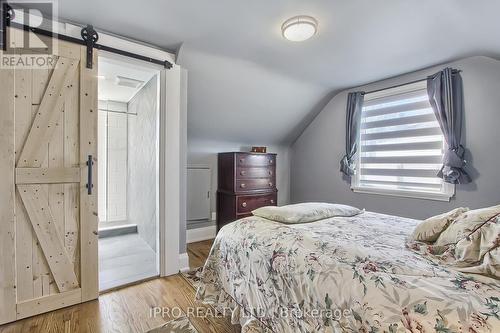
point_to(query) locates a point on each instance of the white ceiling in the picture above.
(247, 83)
(109, 69)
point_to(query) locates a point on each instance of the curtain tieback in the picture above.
(347, 165)
(454, 157)
(453, 163)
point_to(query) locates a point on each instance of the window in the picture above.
(401, 145)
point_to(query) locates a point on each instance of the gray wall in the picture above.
(204, 152)
(143, 162)
(316, 153)
(234, 100)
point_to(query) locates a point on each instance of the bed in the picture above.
(341, 274)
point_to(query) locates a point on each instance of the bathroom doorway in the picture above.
(128, 171)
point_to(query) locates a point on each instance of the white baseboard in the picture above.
(183, 262)
(200, 234)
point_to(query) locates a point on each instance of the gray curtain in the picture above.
(446, 97)
(353, 116)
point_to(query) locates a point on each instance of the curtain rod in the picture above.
(403, 84)
(89, 39)
(395, 86)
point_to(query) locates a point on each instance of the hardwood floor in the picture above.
(128, 309)
(198, 253)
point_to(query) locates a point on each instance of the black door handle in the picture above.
(89, 185)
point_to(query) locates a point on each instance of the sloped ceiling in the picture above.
(247, 83)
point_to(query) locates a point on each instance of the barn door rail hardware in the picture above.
(88, 34)
(90, 37)
(7, 15)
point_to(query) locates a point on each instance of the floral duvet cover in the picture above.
(342, 274)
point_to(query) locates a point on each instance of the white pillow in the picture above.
(305, 212)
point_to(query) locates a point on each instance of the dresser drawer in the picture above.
(257, 184)
(246, 181)
(259, 172)
(245, 204)
(246, 160)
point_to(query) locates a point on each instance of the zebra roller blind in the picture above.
(400, 145)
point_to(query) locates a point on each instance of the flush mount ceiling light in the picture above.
(299, 28)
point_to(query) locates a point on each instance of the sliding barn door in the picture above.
(48, 226)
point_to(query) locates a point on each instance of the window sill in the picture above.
(405, 194)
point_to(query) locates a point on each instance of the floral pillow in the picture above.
(305, 212)
(481, 245)
(478, 252)
(465, 224)
(430, 229)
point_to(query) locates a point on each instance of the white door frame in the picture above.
(171, 144)
(170, 157)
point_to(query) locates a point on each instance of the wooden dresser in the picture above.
(246, 181)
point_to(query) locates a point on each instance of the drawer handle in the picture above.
(270, 184)
(272, 201)
(270, 161)
(270, 173)
(244, 204)
(242, 160)
(243, 172)
(243, 185)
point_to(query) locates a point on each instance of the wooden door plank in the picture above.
(55, 161)
(46, 282)
(39, 264)
(48, 303)
(42, 220)
(36, 263)
(47, 175)
(72, 160)
(24, 233)
(22, 107)
(43, 278)
(68, 50)
(7, 199)
(39, 82)
(71, 226)
(43, 282)
(48, 113)
(88, 203)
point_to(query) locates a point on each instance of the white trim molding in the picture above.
(201, 234)
(405, 194)
(184, 262)
(172, 157)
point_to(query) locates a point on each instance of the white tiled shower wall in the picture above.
(112, 156)
(117, 167)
